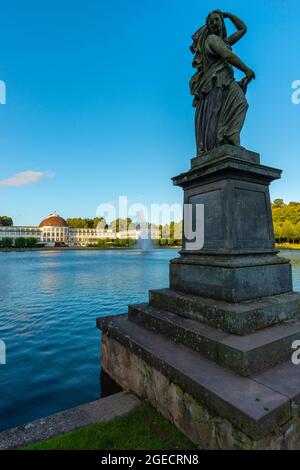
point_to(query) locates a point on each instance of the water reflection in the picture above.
(294, 256)
(49, 303)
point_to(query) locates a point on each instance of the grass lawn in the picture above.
(143, 429)
(288, 246)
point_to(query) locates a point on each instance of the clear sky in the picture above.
(98, 101)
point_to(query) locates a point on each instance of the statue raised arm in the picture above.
(220, 100)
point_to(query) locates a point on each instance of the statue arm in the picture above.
(240, 26)
(219, 48)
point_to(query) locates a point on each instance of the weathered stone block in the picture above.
(225, 151)
(251, 407)
(246, 355)
(231, 283)
(235, 195)
(261, 419)
(238, 261)
(239, 318)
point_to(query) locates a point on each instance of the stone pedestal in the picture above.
(238, 261)
(213, 352)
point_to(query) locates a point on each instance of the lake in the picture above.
(49, 302)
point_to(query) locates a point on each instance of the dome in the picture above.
(54, 220)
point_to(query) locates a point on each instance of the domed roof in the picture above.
(54, 220)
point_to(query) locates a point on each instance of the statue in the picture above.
(220, 101)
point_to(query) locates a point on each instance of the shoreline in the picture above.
(107, 248)
(82, 248)
(104, 248)
(288, 247)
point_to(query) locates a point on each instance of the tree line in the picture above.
(286, 220)
(79, 222)
(19, 242)
(172, 230)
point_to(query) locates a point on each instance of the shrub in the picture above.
(7, 242)
(31, 242)
(20, 242)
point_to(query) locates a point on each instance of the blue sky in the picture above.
(98, 102)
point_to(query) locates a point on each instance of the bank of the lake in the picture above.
(81, 248)
(288, 246)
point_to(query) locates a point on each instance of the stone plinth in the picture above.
(238, 261)
(235, 193)
(231, 278)
(213, 352)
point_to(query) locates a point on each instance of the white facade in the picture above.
(51, 235)
(20, 232)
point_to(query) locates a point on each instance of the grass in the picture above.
(143, 429)
(288, 246)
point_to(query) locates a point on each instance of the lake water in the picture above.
(49, 302)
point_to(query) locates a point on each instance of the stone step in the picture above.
(250, 406)
(246, 355)
(239, 318)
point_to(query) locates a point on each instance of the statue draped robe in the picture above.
(220, 101)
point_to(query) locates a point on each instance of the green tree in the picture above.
(121, 225)
(98, 220)
(20, 242)
(172, 230)
(278, 232)
(288, 231)
(293, 213)
(298, 231)
(77, 222)
(31, 242)
(72, 223)
(80, 222)
(286, 218)
(6, 221)
(7, 242)
(278, 203)
(178, 227)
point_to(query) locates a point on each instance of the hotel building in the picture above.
(54, 231)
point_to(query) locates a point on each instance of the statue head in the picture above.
(216, 24)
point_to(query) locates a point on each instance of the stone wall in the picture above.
(197, 422)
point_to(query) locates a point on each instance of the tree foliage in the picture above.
(80, 222)
(7, 242)
(6, 221)
(286, 219)
(20, 242)
(31, 242)
(121, 225)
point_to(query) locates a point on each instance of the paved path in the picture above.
(98, 411)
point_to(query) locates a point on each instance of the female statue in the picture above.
(220, 100)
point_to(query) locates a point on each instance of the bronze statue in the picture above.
(220, 101)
